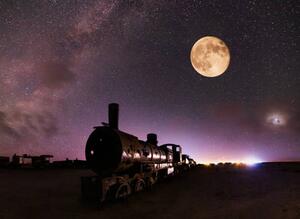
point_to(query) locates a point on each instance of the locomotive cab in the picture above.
(176, 151)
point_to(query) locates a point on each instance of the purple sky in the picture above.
(62, 62)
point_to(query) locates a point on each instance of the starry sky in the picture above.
(62, 62)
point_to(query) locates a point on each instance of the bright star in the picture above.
(276, 119)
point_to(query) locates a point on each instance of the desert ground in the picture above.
(201, 193)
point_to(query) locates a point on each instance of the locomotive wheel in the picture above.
(149, 182)
(122, 192)
(139, 185)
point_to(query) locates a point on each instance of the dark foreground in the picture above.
(200, 193)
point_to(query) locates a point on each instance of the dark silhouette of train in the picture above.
(124, 164)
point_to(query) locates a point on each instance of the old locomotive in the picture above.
(124, 164)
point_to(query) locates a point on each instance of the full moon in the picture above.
(210, 56)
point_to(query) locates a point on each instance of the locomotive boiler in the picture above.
(123, 163)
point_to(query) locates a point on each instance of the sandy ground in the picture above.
(209, 193)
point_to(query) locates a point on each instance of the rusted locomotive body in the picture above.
(123, 163)
(112, 151)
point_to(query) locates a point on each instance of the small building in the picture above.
(31, 161)
(63, 164)
(80, 164)
(70, 164)
(41, 161)
(21, 161)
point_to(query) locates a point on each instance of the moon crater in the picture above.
(210, 56)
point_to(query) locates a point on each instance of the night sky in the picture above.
(62, 62)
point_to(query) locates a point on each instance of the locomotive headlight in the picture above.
(92, 152)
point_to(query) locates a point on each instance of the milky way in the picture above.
(62, 62)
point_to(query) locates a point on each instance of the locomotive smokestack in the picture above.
(152, 138)
(113, 115)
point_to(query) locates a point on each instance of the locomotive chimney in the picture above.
(113, 115)
(152, 138)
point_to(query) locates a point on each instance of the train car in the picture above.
(125, 164)
(187, 162)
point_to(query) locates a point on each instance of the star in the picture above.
(276, 119)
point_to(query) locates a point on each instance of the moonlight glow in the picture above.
(210, 56)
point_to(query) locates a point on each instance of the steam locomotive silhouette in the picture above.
(124, 164)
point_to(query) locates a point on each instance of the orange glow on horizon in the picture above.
(249, 161)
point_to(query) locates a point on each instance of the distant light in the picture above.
(251, 161)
